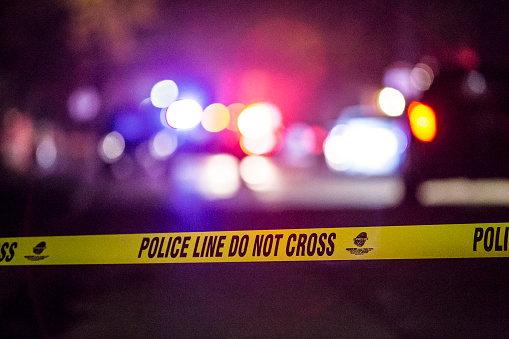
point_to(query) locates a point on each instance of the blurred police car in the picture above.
(460, 155)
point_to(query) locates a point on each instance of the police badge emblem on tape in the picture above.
(38, 249)
(359, 241)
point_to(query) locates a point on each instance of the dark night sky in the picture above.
(333, 48)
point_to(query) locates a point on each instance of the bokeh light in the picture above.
(275, 114)
(422, 120)
(422, 77)
(399, 77)
(255, 121)
(111, 147)
(16, 144)
(184, 114)
(219, 178)
(468, 58)
(262, 145)
(364, 146)
(391, 102)
(162, 117)
(279, 60)
(163, 144)
(84, 104)
(164, 93)
(259, 173)
(432, 63)
(235, 110)
(46, 152)
(216, 117)
(336, 149)
(476, 83)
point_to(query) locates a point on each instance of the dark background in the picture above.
(48, 48)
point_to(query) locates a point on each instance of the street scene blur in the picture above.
(146, 116)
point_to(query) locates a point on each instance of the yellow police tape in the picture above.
(348, 243)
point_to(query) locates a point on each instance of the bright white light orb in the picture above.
(337, 153)
(391, 102)
(275, 114)
(111, 147)
(255, 121)
(184, 114)
(364, 147)
(46, 152)
(164, 93)
(257, 146)
(258, 172)
(219, 178)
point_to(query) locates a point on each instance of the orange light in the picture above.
(423, 121)
(216, 118)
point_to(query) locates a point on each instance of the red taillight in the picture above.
(423, 121)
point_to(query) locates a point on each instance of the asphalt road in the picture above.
(384, 298)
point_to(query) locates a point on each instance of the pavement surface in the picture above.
(383, 298)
